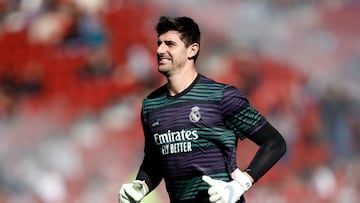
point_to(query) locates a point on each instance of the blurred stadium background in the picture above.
(73, 74)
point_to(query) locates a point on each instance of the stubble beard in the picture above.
(164, 70)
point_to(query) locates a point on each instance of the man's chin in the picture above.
(164, 70)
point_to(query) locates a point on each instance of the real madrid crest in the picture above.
(195, 115)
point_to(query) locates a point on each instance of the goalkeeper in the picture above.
(192, 125)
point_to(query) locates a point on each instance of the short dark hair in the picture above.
(187, 27)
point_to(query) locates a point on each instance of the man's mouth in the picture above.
(162, 60)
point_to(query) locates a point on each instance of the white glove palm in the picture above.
(223, 192)
(228, 192)
(132, 192)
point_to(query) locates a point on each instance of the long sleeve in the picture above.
(247, 122)
(272, 147)
(150, 169)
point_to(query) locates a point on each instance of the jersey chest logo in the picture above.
(195, 115)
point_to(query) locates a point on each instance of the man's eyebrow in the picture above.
(166, 42)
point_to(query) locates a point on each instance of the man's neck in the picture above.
(179, 82)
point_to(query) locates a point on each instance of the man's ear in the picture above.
(193, 50)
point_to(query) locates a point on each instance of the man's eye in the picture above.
(169, 43)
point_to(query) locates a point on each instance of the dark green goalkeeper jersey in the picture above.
(192, 134)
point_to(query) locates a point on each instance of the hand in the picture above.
(223, 192)
(132, 192)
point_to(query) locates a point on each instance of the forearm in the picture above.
(272, 147)
(152, 180)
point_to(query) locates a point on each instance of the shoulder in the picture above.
(223, 91)
(157, 92)
(211, 83)
(228, 90)
(232, 91)
(154, 100)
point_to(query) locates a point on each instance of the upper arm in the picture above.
(239, 115)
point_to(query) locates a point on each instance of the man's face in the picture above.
(172, 55)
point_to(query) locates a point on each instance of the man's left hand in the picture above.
(223, 192)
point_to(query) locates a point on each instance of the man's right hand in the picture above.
(132, 192)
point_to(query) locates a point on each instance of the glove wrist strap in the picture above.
(242, 179)
(140, 184)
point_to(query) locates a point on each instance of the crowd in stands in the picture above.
(73, 74)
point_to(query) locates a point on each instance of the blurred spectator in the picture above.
(50, 187)
(98, 64)
(336, 106)
(14, 87)
(141, 64)
(50, 27)
(8, 81)
(19, 14)
(324, 183)
(7, 104)
(8, 90)
(86, 28)
(31, 80)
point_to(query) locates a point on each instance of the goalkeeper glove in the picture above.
(228, 192)
(132, 192)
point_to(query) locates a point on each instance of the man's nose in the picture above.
(161, 48)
